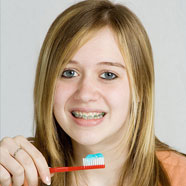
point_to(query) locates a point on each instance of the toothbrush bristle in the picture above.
(96, 159)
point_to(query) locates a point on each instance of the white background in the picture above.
(24, 24)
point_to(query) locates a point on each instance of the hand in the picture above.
(19, 161)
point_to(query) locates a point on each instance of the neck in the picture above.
(115, 154)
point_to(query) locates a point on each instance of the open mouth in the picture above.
(88, 115)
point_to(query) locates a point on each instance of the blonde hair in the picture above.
(67, 34)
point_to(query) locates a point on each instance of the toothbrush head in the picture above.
(93, 159)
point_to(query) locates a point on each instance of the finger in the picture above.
(37, 157)
(5, 178)
(29, 167)
(12, 166)
(23, 159)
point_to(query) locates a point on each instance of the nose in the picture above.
(87, 90)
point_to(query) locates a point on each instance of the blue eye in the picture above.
(108, 76)
(69, 74)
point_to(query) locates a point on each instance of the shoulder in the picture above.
(175, 165)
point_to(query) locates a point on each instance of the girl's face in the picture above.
(92, 96)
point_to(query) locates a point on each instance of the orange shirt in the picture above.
(175, 165)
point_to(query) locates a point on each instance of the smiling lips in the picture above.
(88, 118)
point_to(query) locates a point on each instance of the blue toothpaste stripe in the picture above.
(92, 156)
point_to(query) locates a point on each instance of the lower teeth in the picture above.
(90, 117)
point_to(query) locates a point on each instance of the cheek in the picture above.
(62, 93)
(119, 97)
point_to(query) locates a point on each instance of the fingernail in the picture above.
(47, 180)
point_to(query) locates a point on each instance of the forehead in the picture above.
(102, 46)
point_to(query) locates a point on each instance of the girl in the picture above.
(94, 93)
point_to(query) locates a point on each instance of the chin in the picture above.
(87, 140)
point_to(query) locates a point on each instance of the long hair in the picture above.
(70, 30)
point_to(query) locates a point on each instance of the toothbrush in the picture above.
(91, 161)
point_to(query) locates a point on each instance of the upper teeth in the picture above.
(88, 115)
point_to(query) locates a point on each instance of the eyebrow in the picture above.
(116, 64)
